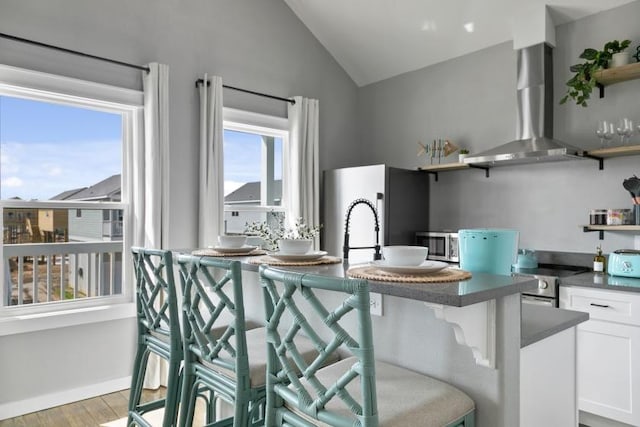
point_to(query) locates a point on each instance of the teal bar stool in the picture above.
(216, 354)
(158, 333)
(356, 391)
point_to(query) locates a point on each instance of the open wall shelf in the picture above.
(603, 153)
(624, 150)
(602, 228)
(616, 75)
(447, 167)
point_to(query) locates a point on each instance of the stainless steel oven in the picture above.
(443, 246)
(548, 276)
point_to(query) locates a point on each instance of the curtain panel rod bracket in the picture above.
(265, 95)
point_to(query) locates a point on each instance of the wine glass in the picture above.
(624, 129)
(601, 131)
(628, 129)
(608, 131)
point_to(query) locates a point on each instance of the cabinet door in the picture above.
(608, 370)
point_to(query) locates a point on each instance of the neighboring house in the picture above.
(15, 226)
(247, 195)
(91, 225)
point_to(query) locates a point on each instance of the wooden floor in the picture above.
(85, 413)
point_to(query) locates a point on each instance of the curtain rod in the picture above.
(266, 95)
(73, 52)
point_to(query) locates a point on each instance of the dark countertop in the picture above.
(540, 322)
(481, 287)
(602, 281)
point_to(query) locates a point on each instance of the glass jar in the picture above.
(598, 217)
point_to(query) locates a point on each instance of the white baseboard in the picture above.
(38, 403)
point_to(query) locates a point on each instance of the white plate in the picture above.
(424, 268)
(297, 257)
(241, 250)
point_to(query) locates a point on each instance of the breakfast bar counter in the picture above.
(481, 287)
(464, 332)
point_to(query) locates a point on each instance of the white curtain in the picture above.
(148, 174)
(300, 164)
(211, 208)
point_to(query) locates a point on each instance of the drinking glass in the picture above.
(624, 129)
(609, 132)
(601, 131)
(628, 129)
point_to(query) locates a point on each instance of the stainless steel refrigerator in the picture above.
(400, 197)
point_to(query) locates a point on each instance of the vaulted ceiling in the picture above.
(377, 39)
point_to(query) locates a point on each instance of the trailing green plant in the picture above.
(583, 81)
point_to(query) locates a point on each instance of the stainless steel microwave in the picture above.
(443, 246)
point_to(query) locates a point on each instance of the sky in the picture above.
(48, 148)
(242, 158)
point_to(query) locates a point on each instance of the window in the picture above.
(61, 149)
(253, 147)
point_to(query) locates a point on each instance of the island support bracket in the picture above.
(474, 326)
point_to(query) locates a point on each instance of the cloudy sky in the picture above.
(49, 148)
(46, 149)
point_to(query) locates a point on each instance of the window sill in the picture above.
(25, 323)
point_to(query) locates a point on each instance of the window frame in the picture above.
(39, 86)
(262, 124)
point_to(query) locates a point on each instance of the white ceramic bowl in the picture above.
(295, 246)
(405, 255)
(232, 241)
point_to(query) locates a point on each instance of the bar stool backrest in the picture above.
(213, 314)
(158, 332)
(290, 303)
(155, 293)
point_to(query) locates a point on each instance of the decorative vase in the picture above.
(620, 58)
(461, 157)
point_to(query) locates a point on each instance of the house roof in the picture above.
(250, 193)
(65, 195)
(107, 189)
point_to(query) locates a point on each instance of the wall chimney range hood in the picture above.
(534, 130)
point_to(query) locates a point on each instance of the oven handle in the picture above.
(528, 299)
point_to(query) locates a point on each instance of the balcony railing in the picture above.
(112, 229)
(46, 272)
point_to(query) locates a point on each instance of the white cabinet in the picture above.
(608, 352)
(548, 381)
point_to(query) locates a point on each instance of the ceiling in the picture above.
(377, 39)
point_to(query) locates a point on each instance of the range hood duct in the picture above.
(534, 130)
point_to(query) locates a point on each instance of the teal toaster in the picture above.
(624, 262)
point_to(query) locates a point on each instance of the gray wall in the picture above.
(259, 45)
(471, 100)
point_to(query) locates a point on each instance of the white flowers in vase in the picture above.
(276, 231)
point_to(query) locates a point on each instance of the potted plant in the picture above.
(298, 239)
(462, 154)
(583, 81)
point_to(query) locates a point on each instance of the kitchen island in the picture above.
(421, 330)
(480, 288)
